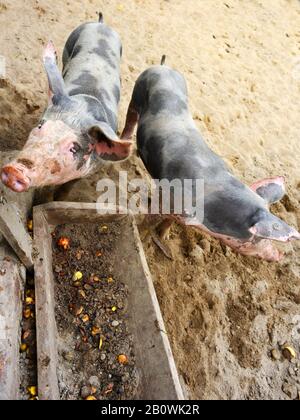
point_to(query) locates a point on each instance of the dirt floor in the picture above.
(227, 316)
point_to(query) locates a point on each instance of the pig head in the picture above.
(77, 132)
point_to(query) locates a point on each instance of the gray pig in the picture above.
(172, 148)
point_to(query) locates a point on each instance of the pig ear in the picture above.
(107, 144)
(270, 189)
(55, 79)
(269, 226)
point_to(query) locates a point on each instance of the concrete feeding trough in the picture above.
(154, 360)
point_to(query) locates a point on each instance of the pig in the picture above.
(171, 147)
(77, 132)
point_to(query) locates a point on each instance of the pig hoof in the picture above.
(164, 248)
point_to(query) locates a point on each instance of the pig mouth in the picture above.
(15, 179)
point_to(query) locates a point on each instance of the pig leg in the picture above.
(131, 121)
(160, 234)
(157, 230)
(144, 227)
(163, 229)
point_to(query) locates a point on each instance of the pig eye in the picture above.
(75, 148)
(41, 123)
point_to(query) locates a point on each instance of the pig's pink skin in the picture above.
(119, 148)
(263, 249)
(49, 150)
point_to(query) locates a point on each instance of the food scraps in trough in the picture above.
(64, 243)
(96, 349)
(28, 362)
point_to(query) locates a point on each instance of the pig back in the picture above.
(160, 89)
(92, 65)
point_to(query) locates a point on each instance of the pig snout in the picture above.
(269, 226)
(14, 179)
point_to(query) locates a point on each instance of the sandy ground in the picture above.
(224, 313)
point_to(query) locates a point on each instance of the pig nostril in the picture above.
(4, 176)
(19, 186)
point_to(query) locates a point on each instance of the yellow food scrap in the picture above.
(29, 301)
(100, 343)
(114, 308)
(78, 276)
(85, 318)
(79, 311)
(32, 390)
(103, 228)
(110, 280)
(23, 347)
(30, 225)
(91, 398)
(96, 331)
(289, 352)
